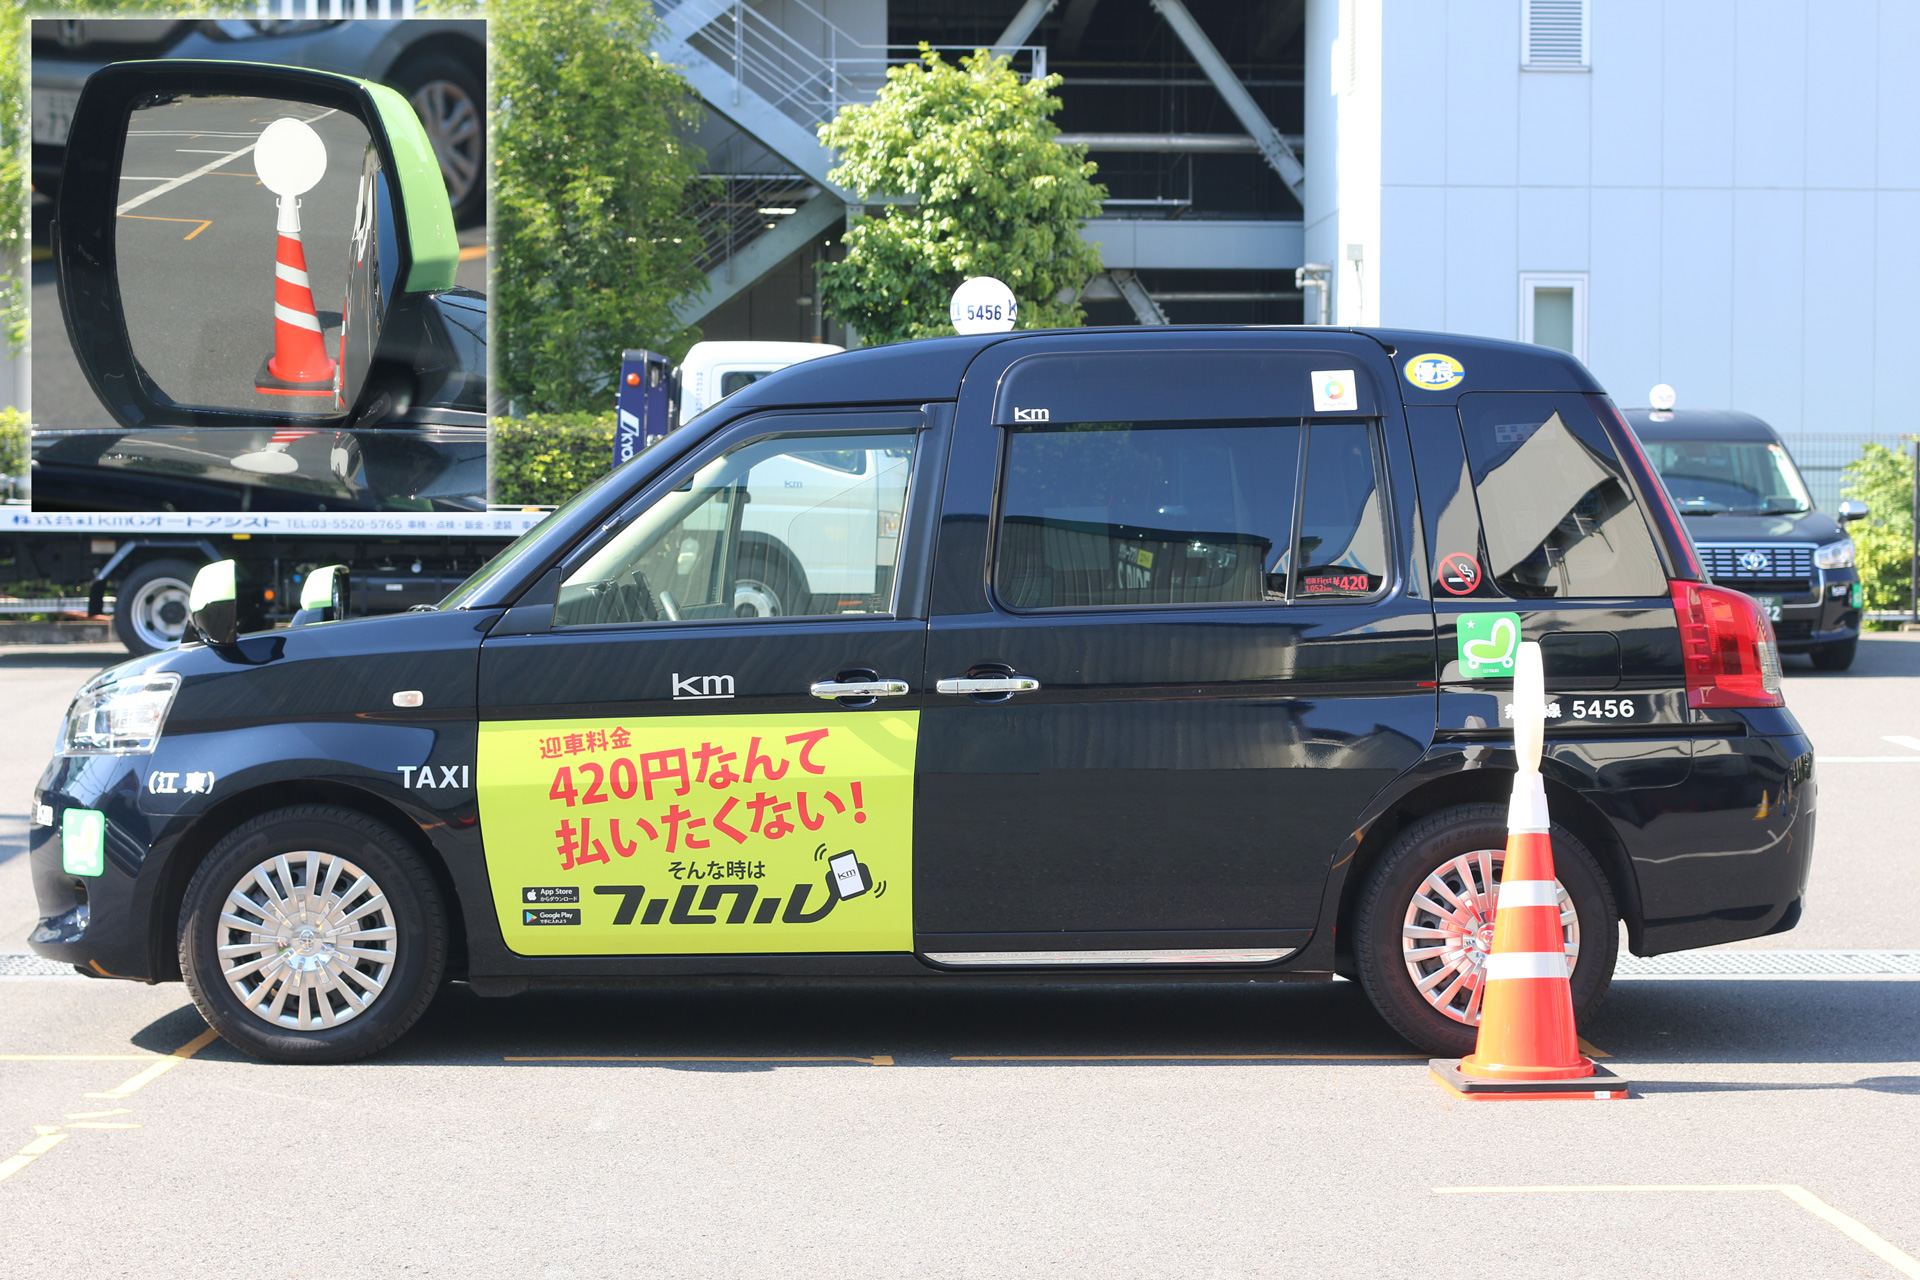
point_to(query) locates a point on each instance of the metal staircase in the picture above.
(778, 84)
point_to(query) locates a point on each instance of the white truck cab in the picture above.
(713, 371)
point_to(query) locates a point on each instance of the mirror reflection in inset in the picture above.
(235, 239)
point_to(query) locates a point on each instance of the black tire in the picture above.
(439, 83)
(150, 608)
(766, 585)
(1416, 854)
(1837, 656)
(416, 917)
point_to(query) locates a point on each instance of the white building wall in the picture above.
(1739, 183)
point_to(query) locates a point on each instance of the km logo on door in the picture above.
(701, 687)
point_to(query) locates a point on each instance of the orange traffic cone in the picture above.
(299, 365)
(1527, 1047)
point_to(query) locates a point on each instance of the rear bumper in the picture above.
(1724, 855)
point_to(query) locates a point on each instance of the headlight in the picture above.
(119, 717)
(1835, 555)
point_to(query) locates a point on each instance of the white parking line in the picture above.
(1903, 740)
(174, 184)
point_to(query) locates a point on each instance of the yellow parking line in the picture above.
(1587, 1048)
(79, 1057)
(877, 1060)
(29, 1153)
(473, 251)
(148, 217)
(163, 1066)
(1853, 1228)
(1192, 1057)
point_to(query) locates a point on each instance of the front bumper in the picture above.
(100, 924)
(1824, 611)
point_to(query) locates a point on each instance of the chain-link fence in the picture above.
(1823, 458)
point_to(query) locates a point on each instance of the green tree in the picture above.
(13, 182)
(992, 195)
(1883, 542)
(592, 242)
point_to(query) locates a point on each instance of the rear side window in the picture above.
(1560, 518)
(1151, 514)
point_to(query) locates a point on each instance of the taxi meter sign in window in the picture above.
(701, 834)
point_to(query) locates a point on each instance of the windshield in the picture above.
(1729, 477)
(535, 542)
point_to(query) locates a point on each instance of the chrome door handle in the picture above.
(857, 688)
(991, 684)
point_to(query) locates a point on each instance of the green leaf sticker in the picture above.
(1489, 643)
(83, 838)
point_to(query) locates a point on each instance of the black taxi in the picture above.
(1173, 654)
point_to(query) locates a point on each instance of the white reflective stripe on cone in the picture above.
(301, 318)
(1529, 893)
(292, 275)
(1527, 964)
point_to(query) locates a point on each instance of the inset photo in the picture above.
(260, 265)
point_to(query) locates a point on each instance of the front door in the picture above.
(711, 748)
(1171, 655)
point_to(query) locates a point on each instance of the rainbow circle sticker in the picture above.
(1434, 371)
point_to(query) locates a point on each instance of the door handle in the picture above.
(831, 689)
(988, 685)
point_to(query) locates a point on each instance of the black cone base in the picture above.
(1602, 1084)
(266, 383)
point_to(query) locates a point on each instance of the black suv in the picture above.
(1756, 528)
(1176, 654)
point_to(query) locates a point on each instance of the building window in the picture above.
(1553, 310)
(1553, 35)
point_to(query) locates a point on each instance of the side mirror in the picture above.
(198, 288)
(213, 604)
(325, 595)
(1851, 509)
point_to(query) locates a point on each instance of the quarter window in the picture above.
(793, 527)
(1559, 516)
(1152, 514)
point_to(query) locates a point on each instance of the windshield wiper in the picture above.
(1702, 507)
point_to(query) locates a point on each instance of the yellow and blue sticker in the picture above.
(701, 834)
(1434, 371)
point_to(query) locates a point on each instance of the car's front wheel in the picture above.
(312, 934)
(1425, 923)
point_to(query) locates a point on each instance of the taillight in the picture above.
(1731, 657)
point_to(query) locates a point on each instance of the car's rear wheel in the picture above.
(312, 934)
(1425, 921)
(150, 611)
(1837, 656)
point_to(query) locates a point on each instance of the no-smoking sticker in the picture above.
(1459, 574)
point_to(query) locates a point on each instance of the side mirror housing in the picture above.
(325, 595)
(213, 605)
(194, 305)
(1851, 509)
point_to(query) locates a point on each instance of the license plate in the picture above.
(1769, 605)
(53, 115)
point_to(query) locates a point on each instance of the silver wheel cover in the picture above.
(754, 600)
(307, 941)
(158, 612)
(454, 128)
(1448, 929)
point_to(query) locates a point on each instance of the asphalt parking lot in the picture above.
(972, 1132)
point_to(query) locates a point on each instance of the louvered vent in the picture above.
(1555, 35)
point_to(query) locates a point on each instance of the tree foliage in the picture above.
(993, 195)
(13, 181)
(1883, 542)
(546, 458)
(592, 244)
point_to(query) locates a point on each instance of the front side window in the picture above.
(1149, 514)
(798, 526)
(1729, 477)
(1560, 518)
